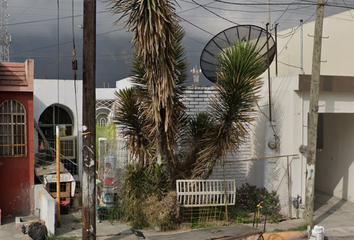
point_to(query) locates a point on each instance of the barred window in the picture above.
(13, 141)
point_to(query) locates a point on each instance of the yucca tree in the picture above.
(194, 131)
(154, 23)
(234, 105)
(128, 115)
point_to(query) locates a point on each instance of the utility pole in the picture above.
(89, 122)
(268, 5)
(313, 114)
(5, 37)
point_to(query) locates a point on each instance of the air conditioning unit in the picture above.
(68, 147)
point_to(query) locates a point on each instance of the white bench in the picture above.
(199, 193)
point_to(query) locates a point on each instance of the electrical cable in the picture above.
(348, 9)
(294, 34)
(58, 46)
(263, 4)
(66, 42)
(219, 16)
(187, 10)
(74, 63)
(281, 4)
(289, 65)
(249, 11)
(195, 26)
(52, 19)
(276, 21)
(24, 10)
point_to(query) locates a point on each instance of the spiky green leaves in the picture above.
(233, 107)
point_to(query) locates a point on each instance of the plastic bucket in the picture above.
(318, 232)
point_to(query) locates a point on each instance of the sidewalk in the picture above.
(334, 214)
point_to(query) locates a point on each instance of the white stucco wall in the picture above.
(336, 159)
(45, 205)
(334, 164)
(66, 93)
(105, 93)
(287, 117)
(337, 50)
(290, 109)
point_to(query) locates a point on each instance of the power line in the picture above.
(195, 25)
(263, 4)
(63, 43)
(281, 4)
(283, 13)
(24, 10)
(51, 19)
(219, 16)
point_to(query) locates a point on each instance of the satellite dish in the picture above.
(232, 35)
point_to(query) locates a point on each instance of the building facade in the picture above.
(16, 138)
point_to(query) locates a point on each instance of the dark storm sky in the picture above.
(38, 33)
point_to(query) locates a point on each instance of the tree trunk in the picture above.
(162, 146)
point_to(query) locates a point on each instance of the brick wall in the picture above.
(197, 100)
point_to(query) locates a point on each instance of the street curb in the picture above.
(285, 235)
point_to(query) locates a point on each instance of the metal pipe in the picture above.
(269, 87)
(302, 47)
(58, 174)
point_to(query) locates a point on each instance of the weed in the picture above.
(302, 227)
(52, 237)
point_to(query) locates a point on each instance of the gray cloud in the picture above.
(33, 26)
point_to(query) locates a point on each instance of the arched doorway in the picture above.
(102, 116)
(53, 116)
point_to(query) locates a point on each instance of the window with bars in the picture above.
(13, 141)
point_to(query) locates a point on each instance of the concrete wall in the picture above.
(336, 159)
(337, 50)
(67, 94)
(288, 127)
(290, 109)
(17, 173)
(45, 207)
(334, 163)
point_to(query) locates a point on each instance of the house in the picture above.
(62, 106)
(286, 122)
(39, 105)
(276, 150)
(295, 47)
(105, 98)
(16, 138)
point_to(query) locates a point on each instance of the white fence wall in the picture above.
(45, 207)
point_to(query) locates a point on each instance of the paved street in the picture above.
(334, 214)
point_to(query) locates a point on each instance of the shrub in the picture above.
(139, 185)
(163, 213)
(249, 196)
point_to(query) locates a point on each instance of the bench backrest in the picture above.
(197, 193)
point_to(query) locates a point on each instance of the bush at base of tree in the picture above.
(167, 217)
(248, 197)
(144, 188)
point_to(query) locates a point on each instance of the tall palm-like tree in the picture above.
(234, 105)
(154, 23)
(128, 115)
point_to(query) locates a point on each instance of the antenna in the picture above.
(5, 38)
(196, 72)
(254, 34)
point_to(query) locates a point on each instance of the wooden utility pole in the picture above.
(89, 122)
(313, 114)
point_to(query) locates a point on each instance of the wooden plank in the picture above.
(205, 192)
